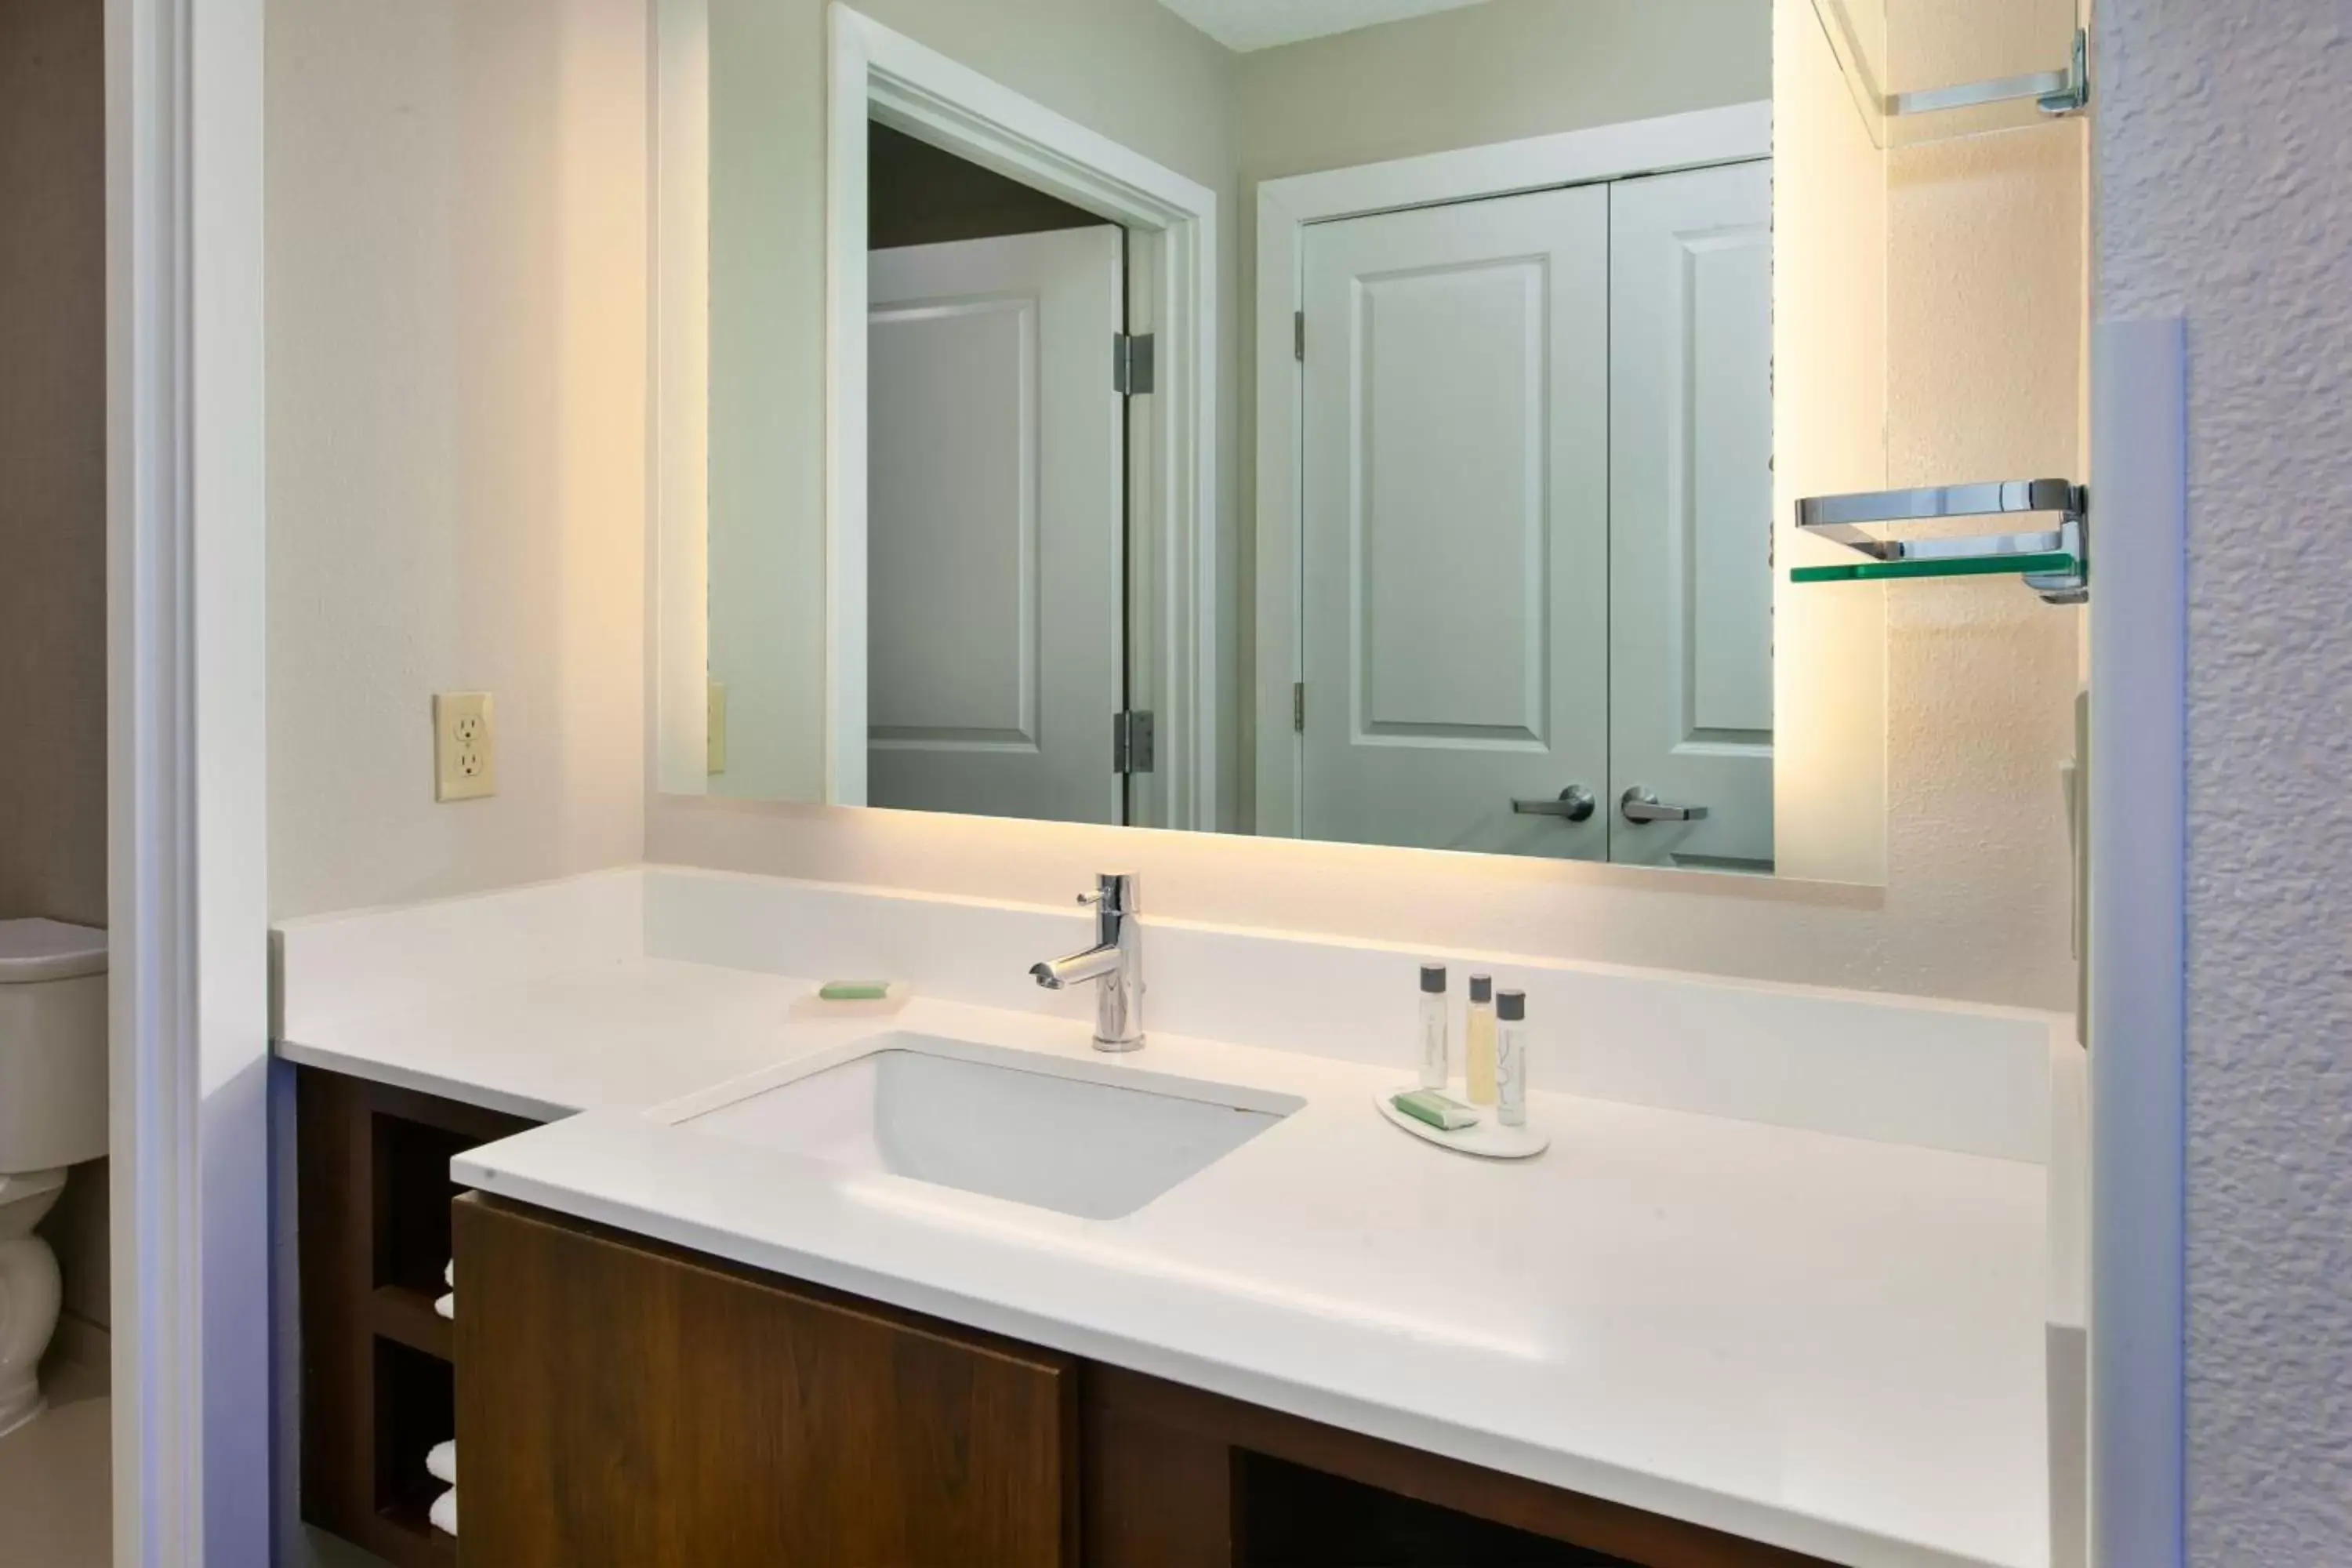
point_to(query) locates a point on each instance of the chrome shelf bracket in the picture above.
(2054, 92)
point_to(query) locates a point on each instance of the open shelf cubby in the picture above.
(378, 1386)
(1290, 1516)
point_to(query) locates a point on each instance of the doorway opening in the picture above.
(1165, 443)
(996, 493)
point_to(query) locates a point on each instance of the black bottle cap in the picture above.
(1433, 979)
(1511, 1006)
(1481, 988)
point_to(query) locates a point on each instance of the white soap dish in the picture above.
(1487, 1138)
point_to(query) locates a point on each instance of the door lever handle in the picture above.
(1575, 802)
(1640, 805)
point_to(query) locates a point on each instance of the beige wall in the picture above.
(53, 460)
(1986, 298)
(53, 513)
(1127, 69)
(1496, 72)
(457, 342)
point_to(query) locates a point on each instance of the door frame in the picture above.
(1734, 133)
(1170, 221)
(187, 824)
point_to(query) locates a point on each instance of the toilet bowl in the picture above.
(28, 1293)
(52, 1115)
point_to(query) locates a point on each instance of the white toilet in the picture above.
(52, 1115)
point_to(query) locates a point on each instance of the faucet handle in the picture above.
(1114, 893)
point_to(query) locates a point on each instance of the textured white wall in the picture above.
(2225, 170)
(457, 367)
(1985, 301)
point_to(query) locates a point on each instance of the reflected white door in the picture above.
(995, 607)
(1690, 655)
(1456, 490)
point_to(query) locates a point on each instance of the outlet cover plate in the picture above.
(465, 746)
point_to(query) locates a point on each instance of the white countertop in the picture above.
(1825, 1342)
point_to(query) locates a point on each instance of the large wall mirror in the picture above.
(1341, 419)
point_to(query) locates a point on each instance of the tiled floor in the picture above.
(54, 1491)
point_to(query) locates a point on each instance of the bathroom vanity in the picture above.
(759, 1418)
(1786, 1288)
(747, 1417)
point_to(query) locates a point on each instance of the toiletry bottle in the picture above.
(1478, 1041)
(1511, 1058)
(1436, 1034)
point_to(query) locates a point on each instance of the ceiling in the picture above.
(1261, 24)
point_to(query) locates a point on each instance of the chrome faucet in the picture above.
(1116, 960)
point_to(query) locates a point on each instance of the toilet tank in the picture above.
(52, 1045)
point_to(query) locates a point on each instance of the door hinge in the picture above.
(1131, 741)
(1298, 708)
(1132, 364)
(1299, 336)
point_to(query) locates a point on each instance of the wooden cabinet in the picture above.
(373, 1196)
(621, 1404)
(1176, 1478)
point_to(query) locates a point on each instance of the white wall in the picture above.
(457, 368)
(1494, 72)
(2227, 197)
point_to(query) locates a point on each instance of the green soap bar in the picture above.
(853, 991)
(1428, 1105)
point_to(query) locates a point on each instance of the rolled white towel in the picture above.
(441, 1464)
(449, 1274)
(444, 1513)
(446, 1306)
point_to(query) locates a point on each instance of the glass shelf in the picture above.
(2053, 563)
(2037, 563)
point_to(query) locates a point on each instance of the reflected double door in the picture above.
(1537, 532)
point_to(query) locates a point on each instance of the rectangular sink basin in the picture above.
(1095, 1141)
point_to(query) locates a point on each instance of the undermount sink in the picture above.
(1095, 1141)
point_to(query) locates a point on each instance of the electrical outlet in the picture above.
(465, 746)
(714, 733)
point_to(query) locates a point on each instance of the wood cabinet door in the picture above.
(624, 1403)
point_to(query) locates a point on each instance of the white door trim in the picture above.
(188, 830)
(882, 74)
(1734, 133)
(2139, 943)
